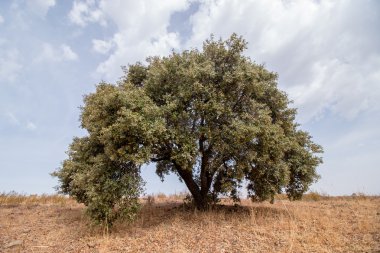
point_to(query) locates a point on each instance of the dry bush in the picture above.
(360, 196)
(315, 196)
(310, 196)
(150, 200)
(161, 195)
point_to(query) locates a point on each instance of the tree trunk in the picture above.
(199, 195)
(201, 202)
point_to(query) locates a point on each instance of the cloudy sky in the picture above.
(327, 55)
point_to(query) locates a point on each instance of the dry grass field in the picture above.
(316, 224)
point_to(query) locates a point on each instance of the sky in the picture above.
(326, 53)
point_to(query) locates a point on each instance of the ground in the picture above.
(318, 224)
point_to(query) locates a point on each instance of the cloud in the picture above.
(127, 52)
(326, 52)
(60, 54)
(1, 19)
(102, 46)
(30, 125)
(342, 88)
(40, 7)
(12, 118)
(15, 121)
(85, 12)
(10, 65)
(68, 54)
(142, 30)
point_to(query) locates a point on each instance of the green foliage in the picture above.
(213, 117)
(110, 189)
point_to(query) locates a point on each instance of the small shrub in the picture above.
(315, 196)
(359, 196)
(150, 200)
(161, 195)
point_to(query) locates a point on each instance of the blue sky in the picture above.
(327, 55)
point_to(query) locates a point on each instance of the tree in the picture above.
(213, 117)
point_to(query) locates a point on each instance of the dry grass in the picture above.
(327, 224)
(13, 198)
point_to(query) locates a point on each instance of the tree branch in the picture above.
(187, 177)
(160, 159)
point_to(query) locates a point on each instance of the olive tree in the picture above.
(213, 117)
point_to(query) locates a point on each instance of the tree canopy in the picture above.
(213, 117)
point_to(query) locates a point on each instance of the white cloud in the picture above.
(13, 120)
(68, 54)
(52, 54)
(342, 88)
(142, 18)
(102, 46)
(127, 52)
(10, 65)
(30, 125)
(40, 7)
(326, 52)
(141, 29)
(1, 19)
(85, 12)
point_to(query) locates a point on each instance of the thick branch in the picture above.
(205, 153)
(158, 159)
(187, 177)
(203, 177)
(207, 173)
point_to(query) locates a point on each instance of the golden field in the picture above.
(316, 224)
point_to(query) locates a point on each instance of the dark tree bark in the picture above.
(200, 194)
